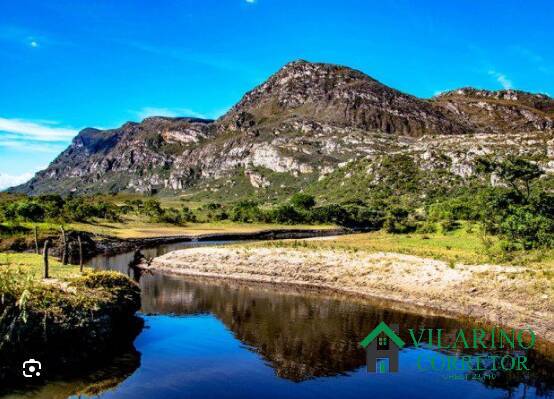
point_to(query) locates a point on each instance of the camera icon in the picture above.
(31, 368)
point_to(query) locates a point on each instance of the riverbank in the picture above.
(93, 243)
(513, 296)
(69, 321)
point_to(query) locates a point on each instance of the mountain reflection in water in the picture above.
(303, 335)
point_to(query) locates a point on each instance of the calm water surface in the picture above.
(216, 339)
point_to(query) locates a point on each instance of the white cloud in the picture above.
(39, 131)
(501, 78)
(250, 1)
(30, 147)
(171, 112)
(33, 44)
(13, 180)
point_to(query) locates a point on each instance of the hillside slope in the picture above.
(302, 124)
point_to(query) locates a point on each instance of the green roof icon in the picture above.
(382, 328)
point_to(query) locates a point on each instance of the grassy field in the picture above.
(458, 246)
(33, 266)
(136, 227)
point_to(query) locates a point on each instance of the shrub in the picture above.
(187, 214)
(449, 225)
(427, 228)
(397, 221)
(246, 212)
(287, 214)
(303, 201)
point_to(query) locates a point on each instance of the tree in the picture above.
(516, 172)
(397, 221)
(521, 212)
(30, 211)
(153, 209)
(303, 201)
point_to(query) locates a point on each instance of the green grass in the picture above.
(458, 246)
(33, 265)
(22, 283)
(137, 227)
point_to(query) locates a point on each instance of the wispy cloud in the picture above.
(171, 112)
(250, 1)
(7, 180)
(501, 78)
(30, 147)
(39, 131)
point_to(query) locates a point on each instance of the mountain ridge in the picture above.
(298, 126)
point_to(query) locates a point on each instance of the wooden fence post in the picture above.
(45, 252)
(80, 253)
(37, 251)
(63, 257)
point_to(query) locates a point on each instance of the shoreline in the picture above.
(112, 245)
(484, 293)
(95, 244)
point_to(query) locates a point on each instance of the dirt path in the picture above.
(513, 296)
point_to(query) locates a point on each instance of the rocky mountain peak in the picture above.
(335, 95)
(301, 124)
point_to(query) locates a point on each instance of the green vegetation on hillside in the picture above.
(514, 214)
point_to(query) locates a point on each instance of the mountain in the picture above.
(305, 122)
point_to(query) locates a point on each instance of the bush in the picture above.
(449, 225)
(287, 214)
(303, 201)
(397, 221)
(153, 209)
(246, 212)
(188, 215)
(30, 211)
(427, 228)
(524, 226)
(172, 216)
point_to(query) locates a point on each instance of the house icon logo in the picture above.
(382, 346)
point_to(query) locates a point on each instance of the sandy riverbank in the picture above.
(513, 296)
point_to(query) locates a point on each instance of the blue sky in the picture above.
(65, 65)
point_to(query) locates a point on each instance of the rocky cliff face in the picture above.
(297, 127)
(335, 96)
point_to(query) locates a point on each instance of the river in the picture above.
(220, 339)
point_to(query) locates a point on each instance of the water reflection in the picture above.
(307, 335)
(225, 339)
(122, 261)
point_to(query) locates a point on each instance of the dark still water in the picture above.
(217, 339)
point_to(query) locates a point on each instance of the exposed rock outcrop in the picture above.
(303, 121)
